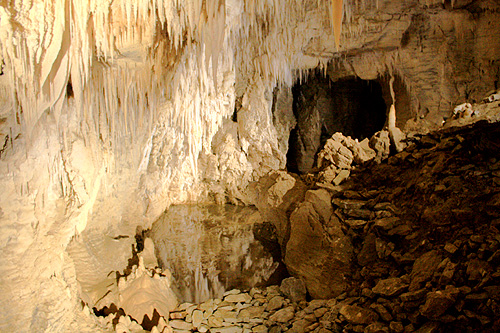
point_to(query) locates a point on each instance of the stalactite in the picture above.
(115, 51)
(336, 19)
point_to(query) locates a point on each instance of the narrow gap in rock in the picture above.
(237, 107)
(148, 323)
(292, 153)
(69, 89)
(140, 236)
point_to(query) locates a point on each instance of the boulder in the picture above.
(336, 153)
(381, 143)
(321, 201)
(341, 152)
(397, 138)
(321, 259)
(390, 287)
(284, 315)
(436, 304)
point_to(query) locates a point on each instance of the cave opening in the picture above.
(352, 106)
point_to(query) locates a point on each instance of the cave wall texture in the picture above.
(108, 118)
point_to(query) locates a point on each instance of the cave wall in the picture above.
(443, 55)
(144, 126)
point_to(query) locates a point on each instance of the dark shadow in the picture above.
(352, 106)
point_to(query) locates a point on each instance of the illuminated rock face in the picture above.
(109, 112)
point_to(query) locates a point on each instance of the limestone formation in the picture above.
(113, 111)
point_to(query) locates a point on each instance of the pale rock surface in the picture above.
(283, 118)
(338, 154)
(381, 143)
(148, 254)
(106, 122)
(96, 258)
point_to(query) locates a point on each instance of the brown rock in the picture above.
(299, 326)
(321, 201)
(294, 289)
(318, 313)
(348, 203)
(429, 327)
(400, 230)
(356, 224)
(387, 223)
(275, 303)
(423, 269)
(448, 271)
(284, 315)
(383, 248)
(396, 326)
(376, 328)
(321, 260)
(382, 311)
(390, 287)
(368, 253)
(436, 304)
(360, 213)
(315, 304)
(493, 292)
(357, 315)
(413, 295)
(476, 269)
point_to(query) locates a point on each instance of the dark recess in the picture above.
(352, 106)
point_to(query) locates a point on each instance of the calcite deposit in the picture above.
(111, 112)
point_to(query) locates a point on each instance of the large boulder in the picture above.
(318, 252)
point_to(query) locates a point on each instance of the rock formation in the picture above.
(112, 111)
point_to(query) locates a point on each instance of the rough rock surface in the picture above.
(424, 227)
(325, 263)
(98, 133)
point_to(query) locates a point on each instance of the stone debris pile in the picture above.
(273, 309)
(339, 153)
(425, 227)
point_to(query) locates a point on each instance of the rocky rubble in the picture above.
(425, 230)
(273, 309)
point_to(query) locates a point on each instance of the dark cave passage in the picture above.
(352, 106)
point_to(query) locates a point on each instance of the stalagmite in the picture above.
(397, 136)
